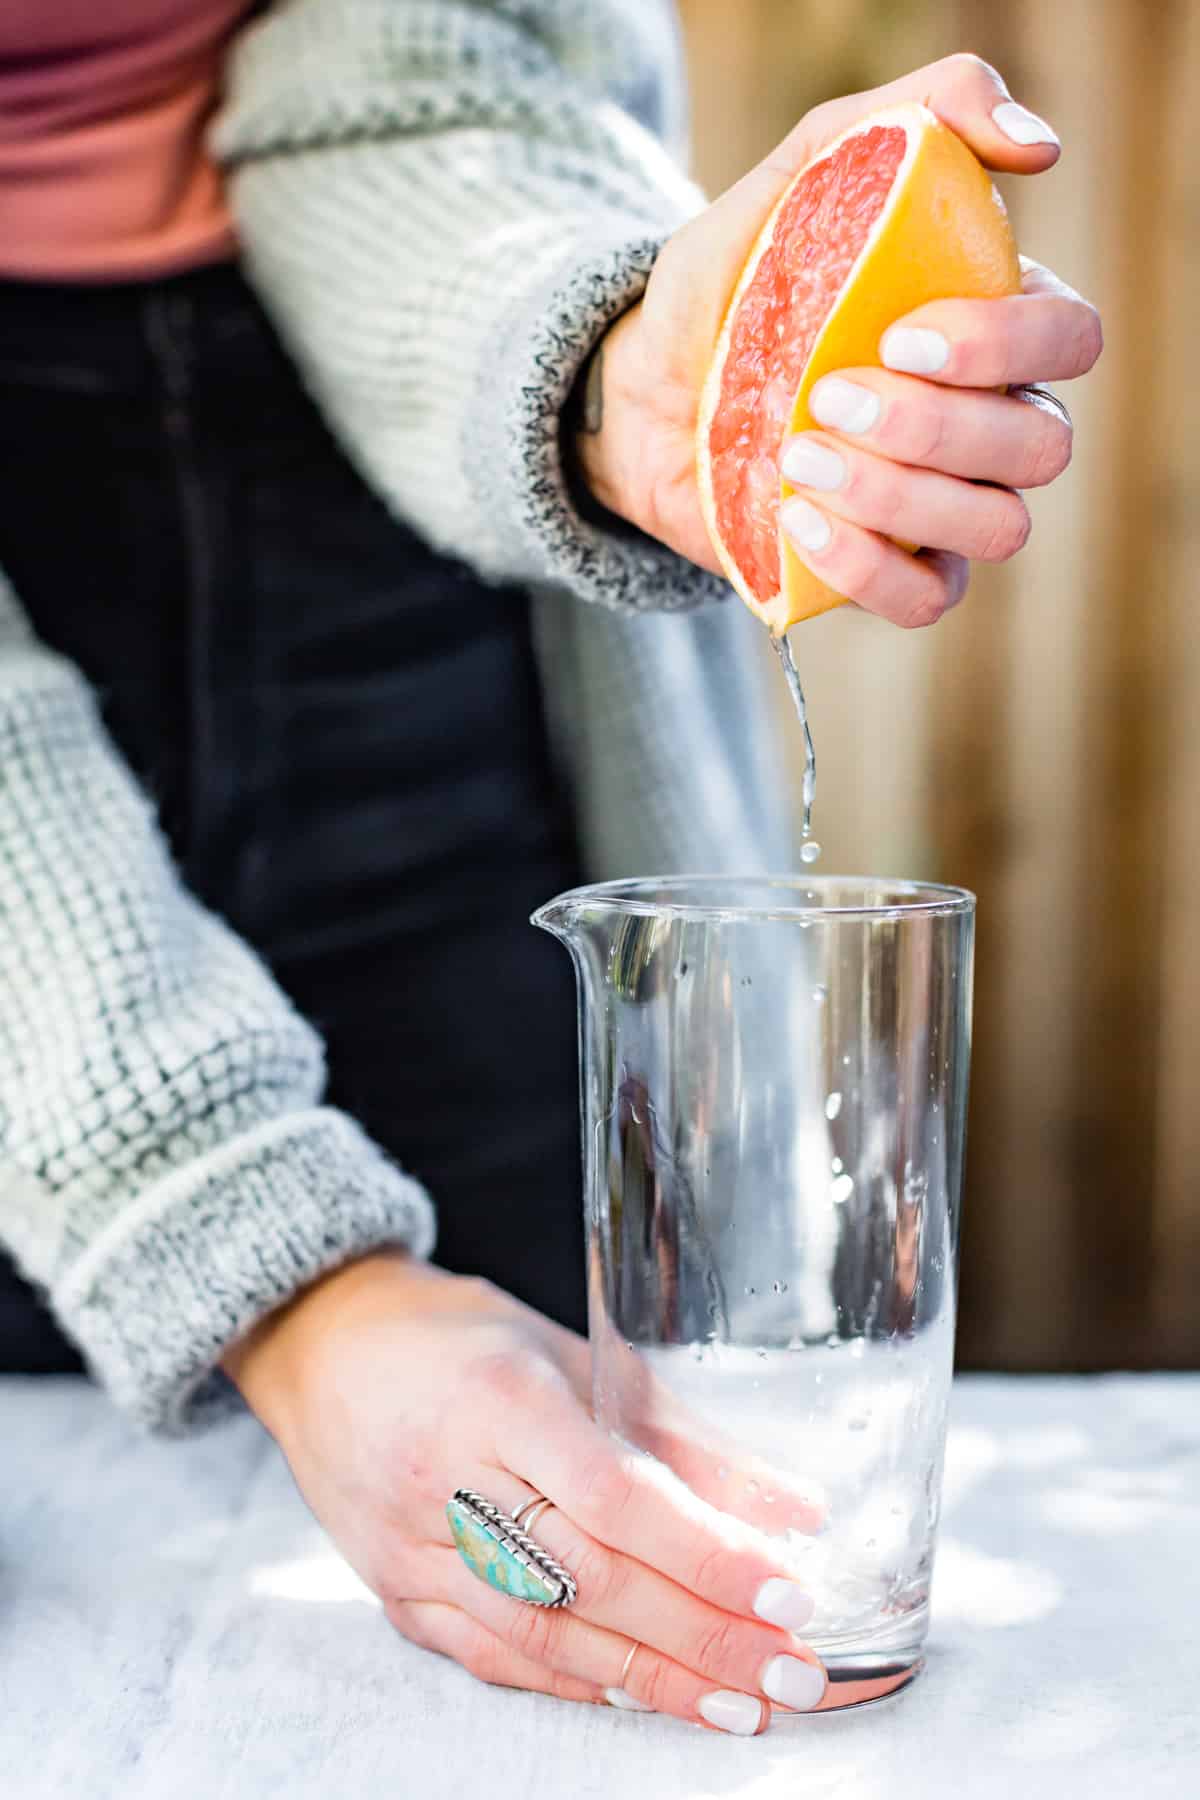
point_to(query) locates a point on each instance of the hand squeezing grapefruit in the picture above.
(894, 213)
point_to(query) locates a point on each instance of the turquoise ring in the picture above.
(496, 1550)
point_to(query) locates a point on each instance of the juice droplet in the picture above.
(833, 1104)
(809, 850)
(808, 785)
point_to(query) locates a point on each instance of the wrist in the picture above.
(602, 425)
(269, 1365)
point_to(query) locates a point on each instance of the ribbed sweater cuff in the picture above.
(191, 1263)
(514, 451)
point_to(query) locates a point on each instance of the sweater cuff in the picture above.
(514, 454)
(190, 1264)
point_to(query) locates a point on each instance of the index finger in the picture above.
(635, 1505)
(966, 93)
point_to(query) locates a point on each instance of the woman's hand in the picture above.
(928, 453)
(390, 1384)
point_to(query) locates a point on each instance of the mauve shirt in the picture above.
(103, 109)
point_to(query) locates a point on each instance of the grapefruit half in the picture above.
(894, 213)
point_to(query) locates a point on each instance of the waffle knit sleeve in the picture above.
(443, 204)
(167, 1171)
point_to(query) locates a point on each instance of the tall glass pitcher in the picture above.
(774, 1083)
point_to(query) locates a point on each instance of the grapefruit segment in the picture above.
(896, 212)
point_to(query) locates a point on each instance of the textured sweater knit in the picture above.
(443, 203)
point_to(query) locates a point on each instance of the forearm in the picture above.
(442, 250)
(167, 1172)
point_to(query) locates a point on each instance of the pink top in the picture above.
(103, 109)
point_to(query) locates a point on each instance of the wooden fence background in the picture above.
(1042, 745)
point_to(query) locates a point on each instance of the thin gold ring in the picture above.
(628, 1663)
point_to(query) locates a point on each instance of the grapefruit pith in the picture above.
(894, 213)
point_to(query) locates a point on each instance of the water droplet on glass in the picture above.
(846, 1060)
(820, 994)
(698, 1352)
(683, 968)
(843, 1187)
(810, 850)
(858, 1346)
(795, 1343)
(752, 1290)
(837, 1165)
(833, 1104)
(779, 1287)
(629, 1346)
(858, 1425)
(833, 1340)
(768, 1499)
(761, 1352)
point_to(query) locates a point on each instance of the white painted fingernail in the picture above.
(793, 1683)
(806, 525)
(1022, 126)
(843, 405)
(784, 1603)
(914, 350)
(741, 1713)
(626, 1702)
(806, 464)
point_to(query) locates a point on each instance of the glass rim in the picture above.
(650, 896)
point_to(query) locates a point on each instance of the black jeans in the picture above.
(341, 729)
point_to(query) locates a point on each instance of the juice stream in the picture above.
(809, 848)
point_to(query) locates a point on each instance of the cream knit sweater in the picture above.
(443, 203)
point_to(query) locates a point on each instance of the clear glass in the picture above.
(774, 1084)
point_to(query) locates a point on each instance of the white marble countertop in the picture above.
(173, 1624)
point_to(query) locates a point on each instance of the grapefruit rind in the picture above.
(942, 233)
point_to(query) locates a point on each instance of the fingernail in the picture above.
(914, 351)
(806, 525)
(843, 405)
(1022, 126)
(784, 1603)
(811, 465)
(626, 1702)
(732, 1712)
(793, 1683)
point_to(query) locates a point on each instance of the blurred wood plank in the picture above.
(1043, 745)
(1175, 563)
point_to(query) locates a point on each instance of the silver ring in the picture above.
(533, 1500)
(1042, 397)
(499, 1551)
(628, 1663)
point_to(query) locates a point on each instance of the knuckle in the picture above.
(505, 1374)
(927, 608)
(604, 1492)
(1089, 340)
(653, 1680)
(887, 504)
(533, 1631)
(715, 1650)
(965, 67)
(709, 1570)
(600, 1575)
(1050, 454)
(857, 564)
(1006, 531)
(921, 431)
(482, 1657)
